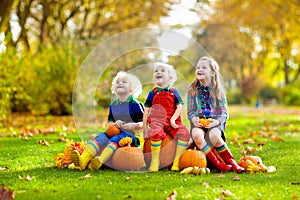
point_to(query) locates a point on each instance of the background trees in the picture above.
(43, 42)
(256, 42)
(32, 24)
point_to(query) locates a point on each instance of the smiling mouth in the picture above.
(158, 77)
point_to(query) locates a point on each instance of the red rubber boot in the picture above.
(229, 159)
(217, 163)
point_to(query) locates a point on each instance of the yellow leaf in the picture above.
(87, 176)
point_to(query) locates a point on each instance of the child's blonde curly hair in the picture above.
(135, 84)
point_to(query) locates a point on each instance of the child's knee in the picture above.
(183, 133)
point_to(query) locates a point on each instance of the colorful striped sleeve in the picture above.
(191, 106)
(221, 110)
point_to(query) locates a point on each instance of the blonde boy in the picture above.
(163, 107)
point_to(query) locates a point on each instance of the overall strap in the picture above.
(172, 89)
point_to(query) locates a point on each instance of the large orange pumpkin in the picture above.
(167, 151)
(191, 158)
(112, 130)
(128, 158)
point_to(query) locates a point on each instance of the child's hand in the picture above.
(213, 123)
(173, 123)
(196, 122)
(119, 123)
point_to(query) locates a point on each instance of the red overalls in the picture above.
(163, 108)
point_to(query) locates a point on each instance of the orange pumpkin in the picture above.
(245, 161)
(167, 151)
(191, 158)
(112, 130)
(255, 159)
(204, 121)
(128, 159)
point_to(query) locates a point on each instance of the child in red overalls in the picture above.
(163, 107)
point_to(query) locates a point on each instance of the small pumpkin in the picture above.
(244, 162)
(200, 170)
(112, 130)
(204, 121)
(128, 158)
(191, 158)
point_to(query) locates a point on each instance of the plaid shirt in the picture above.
(219, 109)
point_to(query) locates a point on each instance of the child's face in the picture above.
(203, 71)
(122, 86)
(161, 76)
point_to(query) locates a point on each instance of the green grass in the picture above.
(279, 128)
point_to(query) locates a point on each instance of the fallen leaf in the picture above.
(43, 142)
(46, 131)
(227, 193)
(188, 196)
(4, 168)
(261, 143)
(27, 178)
(249, 150)
(206, 184)
(6, 194)
(277, 139)
(248, 141)
(62, 134)
(87, 176)
(47, 164)
(172, 196)
(61, 139)
(236, 178)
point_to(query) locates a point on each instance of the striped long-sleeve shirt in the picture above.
(196, 104)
